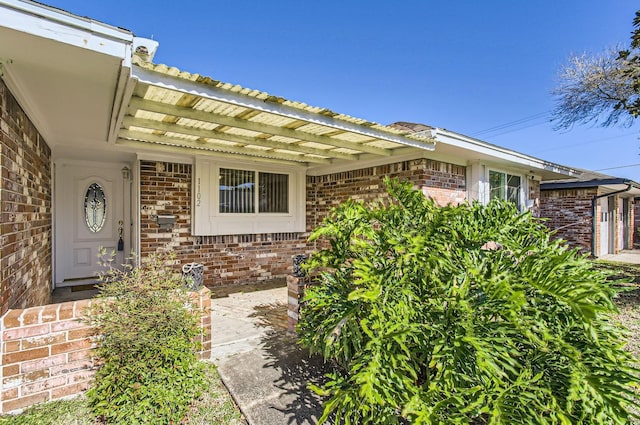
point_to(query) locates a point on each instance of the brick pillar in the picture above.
(295, 291)
(202, 300)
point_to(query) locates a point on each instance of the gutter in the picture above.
(68, 19)
(594, 202)
(572, 184)
(477, 145)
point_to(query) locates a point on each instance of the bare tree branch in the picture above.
(595, 90)
(603, 89)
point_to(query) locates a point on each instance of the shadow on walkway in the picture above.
(261, 364)
(295, 366)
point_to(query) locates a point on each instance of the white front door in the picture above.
(91, 212)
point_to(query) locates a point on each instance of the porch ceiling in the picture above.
(175, 111)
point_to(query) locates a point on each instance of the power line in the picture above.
(602, 139)
(512, 123)
(517, 129)
(615, 168)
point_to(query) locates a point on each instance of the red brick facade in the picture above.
(534, 195)
(235, 259)
(446, 183)
(25, 193)
(568, 213)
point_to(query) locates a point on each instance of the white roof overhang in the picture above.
(463, 147)
(182, 113)
(68, 73)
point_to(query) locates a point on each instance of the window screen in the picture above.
(240, 192)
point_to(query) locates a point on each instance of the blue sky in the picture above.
(467, 66)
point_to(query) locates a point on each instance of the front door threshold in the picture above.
(80, 281)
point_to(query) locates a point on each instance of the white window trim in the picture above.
(480, 188)
(507, 174)
(208, 221)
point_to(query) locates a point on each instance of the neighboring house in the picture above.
(102, 147)
(570, 205)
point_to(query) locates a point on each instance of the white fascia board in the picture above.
(124, 90)
(181, 85)
(471, 144)
(54, 24)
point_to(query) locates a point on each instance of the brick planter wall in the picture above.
(47, 351)
(25, 196)
(296, 287)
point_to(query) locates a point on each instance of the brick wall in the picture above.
(445, 183)
(165, 188)
(569, 214)
(25, 194)
(231, 259)
(47, 351)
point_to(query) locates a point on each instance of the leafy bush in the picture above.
(463, 314)
(147, 328)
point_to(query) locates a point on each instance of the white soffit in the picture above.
(68, 73)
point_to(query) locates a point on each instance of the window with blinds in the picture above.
(273, 195)
(250, 192)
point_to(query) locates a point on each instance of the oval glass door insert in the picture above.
(95, 207)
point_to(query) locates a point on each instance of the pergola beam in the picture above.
(183, 85)
(202, 145)
(180, 111)
(183, 150)
(235, 138)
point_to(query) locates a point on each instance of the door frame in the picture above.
(604, 226)
(57, 207)
(626, 223)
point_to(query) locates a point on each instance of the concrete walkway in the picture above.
(630, 257)
(261, 364)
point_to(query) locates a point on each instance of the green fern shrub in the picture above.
(147, 328)
(463, 314)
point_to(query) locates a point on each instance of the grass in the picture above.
(628, 299)
(61, 412)
(214, 407)
(628, 302)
